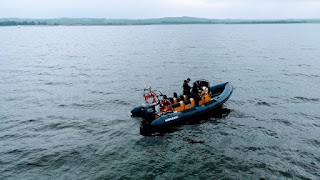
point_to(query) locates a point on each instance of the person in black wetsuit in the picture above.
(195, 92)
(186, 87)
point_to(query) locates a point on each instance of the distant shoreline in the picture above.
(155, 21)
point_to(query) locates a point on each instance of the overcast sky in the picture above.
(136, 9)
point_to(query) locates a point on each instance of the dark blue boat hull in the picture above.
(199, 110)
(223, 90)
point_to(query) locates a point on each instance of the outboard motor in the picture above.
(148, 114)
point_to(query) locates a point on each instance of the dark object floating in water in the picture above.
(168, 112)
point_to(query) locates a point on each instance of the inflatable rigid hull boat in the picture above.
(177, 110)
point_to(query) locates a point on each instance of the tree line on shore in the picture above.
(155, 21)
(18, 23)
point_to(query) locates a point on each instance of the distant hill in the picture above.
(154, 21)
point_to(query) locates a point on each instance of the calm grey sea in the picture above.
(66, 93)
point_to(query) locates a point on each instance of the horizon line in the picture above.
(159, 18)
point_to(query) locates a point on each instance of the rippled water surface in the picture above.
(66, 95)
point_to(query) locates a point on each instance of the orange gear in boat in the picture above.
(149, 96)
(165, 105)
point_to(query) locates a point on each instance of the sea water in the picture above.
(66, 93)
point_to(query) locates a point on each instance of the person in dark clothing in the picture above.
(175, 95)
(186, 87)
(195, 92)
